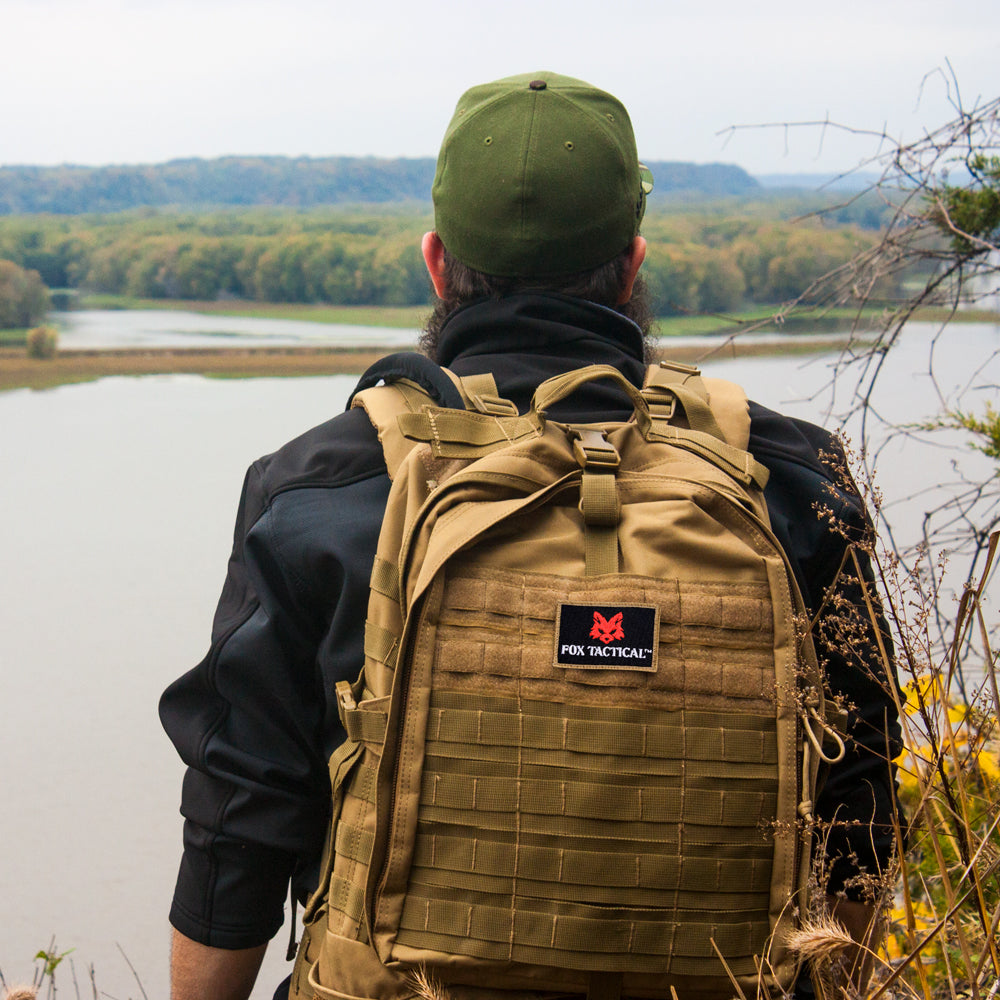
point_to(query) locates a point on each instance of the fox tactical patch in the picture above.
(607, 637)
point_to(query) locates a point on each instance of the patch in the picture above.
(607, 636)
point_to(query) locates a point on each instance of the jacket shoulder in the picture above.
(338, 452)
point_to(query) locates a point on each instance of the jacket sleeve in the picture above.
(821, 521)
(255, 721)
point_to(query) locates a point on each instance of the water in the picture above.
(115, 526)
(142, 328)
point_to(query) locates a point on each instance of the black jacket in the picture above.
(256, 721)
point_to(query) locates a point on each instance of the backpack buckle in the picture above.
(661, 401)
(591, 448)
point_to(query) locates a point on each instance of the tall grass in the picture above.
(942, 936)
(941, 898)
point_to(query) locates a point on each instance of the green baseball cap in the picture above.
(538, 176)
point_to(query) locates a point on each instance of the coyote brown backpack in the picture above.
(582, 753)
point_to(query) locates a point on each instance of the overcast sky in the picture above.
(144, 81)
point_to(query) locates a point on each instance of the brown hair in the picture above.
(602, 285)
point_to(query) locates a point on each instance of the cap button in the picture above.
(537, 85)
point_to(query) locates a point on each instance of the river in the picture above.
(116, 521)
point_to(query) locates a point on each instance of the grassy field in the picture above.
(13, 338)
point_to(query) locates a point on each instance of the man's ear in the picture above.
(636, 255)
(433, 251)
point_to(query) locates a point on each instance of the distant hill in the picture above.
(300, 182)
(848, 183)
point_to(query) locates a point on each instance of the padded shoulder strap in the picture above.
(435, 381)
(406, 383)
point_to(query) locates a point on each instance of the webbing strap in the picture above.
(741, 465)
(601, 511)
(381, 644)
(662, 403)
(354, 843)
(448, 430)
(347, 898)
(365, 726)
(599, 501)
(385, 578)
(480, 392)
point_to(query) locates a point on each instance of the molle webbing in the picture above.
(562, 827)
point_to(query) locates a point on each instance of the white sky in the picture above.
(144, 81)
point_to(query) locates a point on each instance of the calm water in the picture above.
(104, 328)
(115, 525)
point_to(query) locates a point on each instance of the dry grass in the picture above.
(18, 371)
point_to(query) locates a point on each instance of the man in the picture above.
(535, 262)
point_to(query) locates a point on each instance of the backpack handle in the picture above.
(560, 386)
(699, 416)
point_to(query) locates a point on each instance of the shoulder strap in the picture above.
(405, 383)
(713, 405)
(436, 382)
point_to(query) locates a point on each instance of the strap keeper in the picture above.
(494, 406)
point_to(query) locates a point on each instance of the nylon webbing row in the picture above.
(664, 803)
(432, 883)
(677, 965)
(693, 718)
(725, 737)
(722, 839)
(591, 868)
(580, 936)
(455, 757)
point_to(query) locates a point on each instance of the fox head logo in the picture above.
(607, 629)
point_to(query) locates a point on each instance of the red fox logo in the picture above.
(607, 629)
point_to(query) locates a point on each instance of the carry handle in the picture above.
(696, 410)
(560, 386)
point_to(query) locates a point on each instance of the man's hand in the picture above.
(198, 972)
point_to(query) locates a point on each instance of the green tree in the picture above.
(24, 300)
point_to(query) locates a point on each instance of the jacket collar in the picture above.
(540, 323)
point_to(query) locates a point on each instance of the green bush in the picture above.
(24, 300)
(42, 342)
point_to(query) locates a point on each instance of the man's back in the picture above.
(257, 720)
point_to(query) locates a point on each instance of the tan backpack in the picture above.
(582, 753)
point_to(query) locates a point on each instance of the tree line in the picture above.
(278, 180)
(699, 261)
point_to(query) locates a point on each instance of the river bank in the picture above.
(18, 371)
